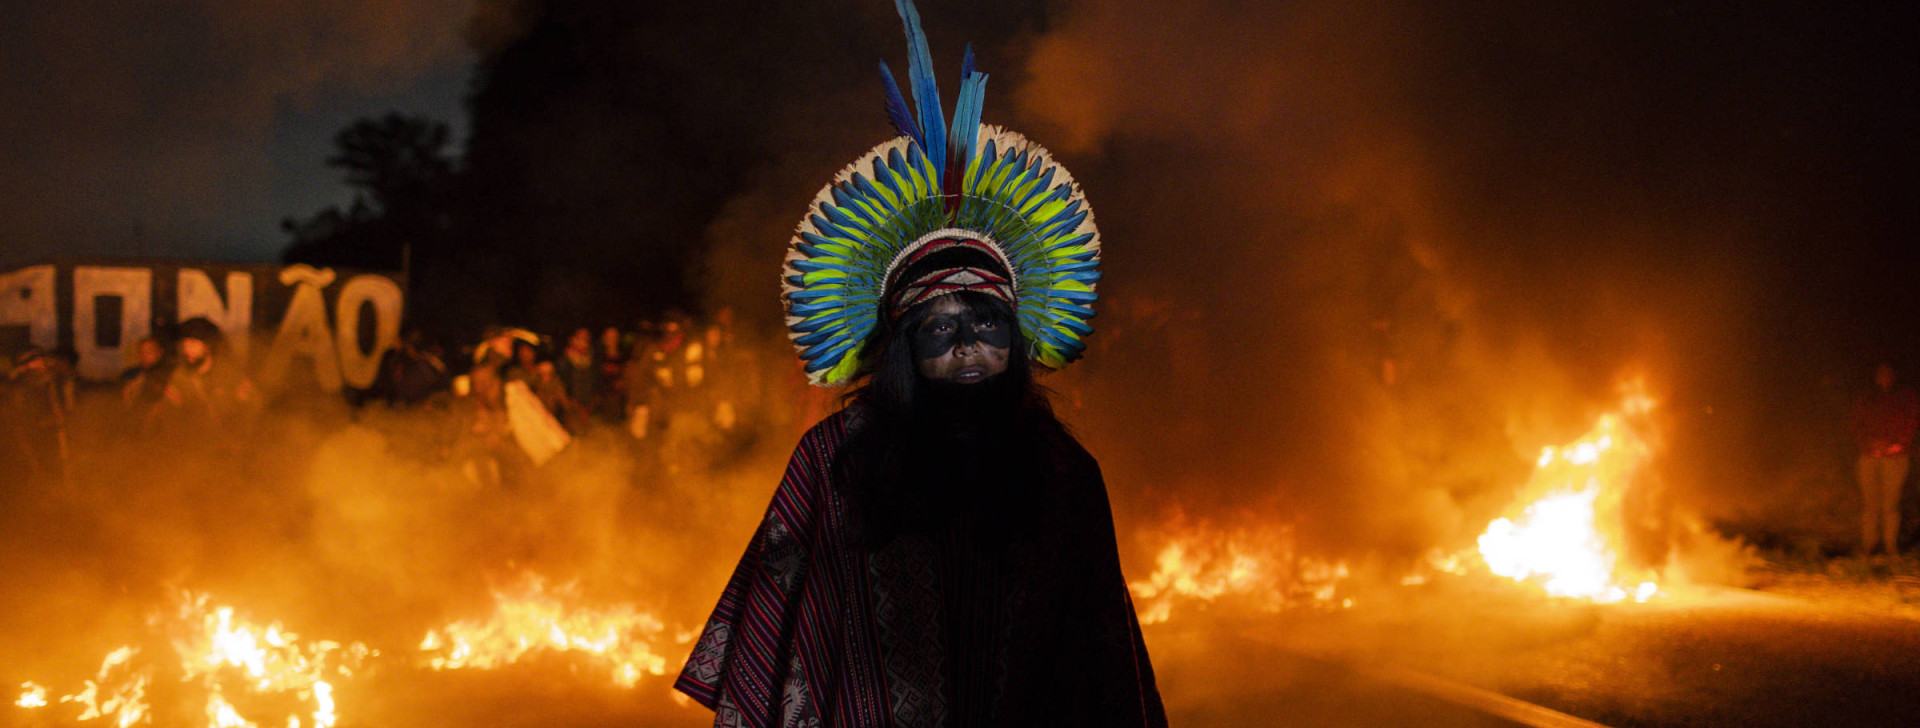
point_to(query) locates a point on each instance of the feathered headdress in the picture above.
(1022, 223)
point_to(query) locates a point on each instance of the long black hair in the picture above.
(923, 455)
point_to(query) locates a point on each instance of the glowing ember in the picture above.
(1206, 565)
(1566, 534)
(531, 620)
(31, 696)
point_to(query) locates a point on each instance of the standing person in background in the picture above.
(409, 372)
(212, 391)
(40, 409)
(579, 377)
(143, 386)
(145, 383)
(526, 356)
(611, 363)
(644, 413)
(1884, 421)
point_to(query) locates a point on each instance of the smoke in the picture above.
(375, 527)
(153, 122)
(1380, 343)
(1358, 274)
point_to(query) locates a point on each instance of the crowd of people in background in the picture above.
(667, 388)
(521, 396)
(510, 400)
(185, 382)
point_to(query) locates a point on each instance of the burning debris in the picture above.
(528, 620)
(228, 662)
(245, 675)
(1564, 533)
(1568, 530)
(1261, 568)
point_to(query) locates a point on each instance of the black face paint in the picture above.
(940, 333)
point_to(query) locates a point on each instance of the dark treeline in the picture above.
(606, 138)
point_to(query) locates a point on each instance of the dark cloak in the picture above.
(815, 630)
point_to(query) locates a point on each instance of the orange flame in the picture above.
(223, 655)
(529, 620)
(1262, 568)
(1565, 535)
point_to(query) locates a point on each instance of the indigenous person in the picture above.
(1884, 421)
(941, 551)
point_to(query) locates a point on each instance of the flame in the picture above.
(223, 652)
(528, 620)
(223, 655)
(234, 663)
(1205, 565)
(32, 696)
(1565, 536)
(117, 692)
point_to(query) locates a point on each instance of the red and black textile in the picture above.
(946, 264)
(815, 630)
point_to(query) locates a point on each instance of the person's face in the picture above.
(150, 353)
(610, 338)
(194, 351)
(1883, 376)
(525, 354)
(581, 340)
(954, 345)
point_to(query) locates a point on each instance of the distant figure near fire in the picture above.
(941, 551)
(1884, 421)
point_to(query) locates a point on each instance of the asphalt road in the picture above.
(1717, 658)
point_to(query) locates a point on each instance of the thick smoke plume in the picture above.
(1355, 282)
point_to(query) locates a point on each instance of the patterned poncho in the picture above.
(817, 631)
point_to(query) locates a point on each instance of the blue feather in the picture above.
(889, 174)
(817, 240)
(814, 323)
(809, 294)
(841, 218)
(827, 351)
(813, 266)
(809, 309)
(897, 107)
(1053, 336)
(866, 188)
(1081, 311)
(816, 337)
(966, 117)
(926, 94)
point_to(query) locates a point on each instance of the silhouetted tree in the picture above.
(606, 137)
(403, 177)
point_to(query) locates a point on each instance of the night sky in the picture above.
(192, 128)
(1517, 204)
